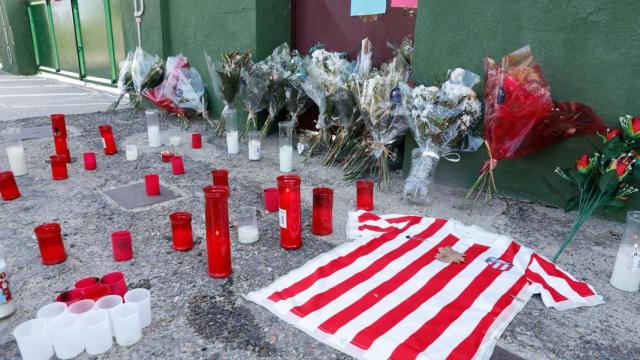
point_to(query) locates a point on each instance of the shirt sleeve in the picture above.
(363, 223)
(557, 288)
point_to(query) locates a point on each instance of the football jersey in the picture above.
(390, 294)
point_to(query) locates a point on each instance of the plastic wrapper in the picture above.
(280, 63)
(441, 121)
(520, 115)
(138, 72)
(255, 82)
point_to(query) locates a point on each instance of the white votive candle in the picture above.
(254, 149)
(286, 158)
(175, 140)
(233, 142)
(248, 234)
(626, 270)
(132, 152)
(154, 135)
(17, 162)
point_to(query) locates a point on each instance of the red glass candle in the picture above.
(58, 167)
(116, 283)
(289, 211)
(152, 184)
(166, 156)
(50, 243)
(121, 242)
(271, 199)
(70, 296)
(196, 140)
(181, 231)
(8, 187)
(220, 177)
(217, 223)
(97, 292)
(108, 141)
(364, 195)
(322, 214)
(177, 165)
(59, 129)
(87, 283)
(90, 162)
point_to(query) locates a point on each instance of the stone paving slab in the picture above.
(134, 196)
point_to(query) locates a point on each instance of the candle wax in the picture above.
(286, 158)
(17, 160)
(254, 149)
(626, 270)
(248, 234)
(132, 153)
(233, 143)
(175, 140)
(154, 135)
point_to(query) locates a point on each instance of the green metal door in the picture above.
(65, 36)
(45, 50)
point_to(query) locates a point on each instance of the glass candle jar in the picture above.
(247, 225)
(152, 184)
(166, 156)
(175, 137)
(181, 231)
(217, 224)
(50, 243)
(8, 187)
(131, 152)
(289, 211)
(322, 214)
(108, 140)
(59, 130)
(220, 177)
(271, 199)
(153, 128)
(116, 283)
(286, 145)
(58, 167)
(90, 162)
(626, 269)
(121, 243)
(231, 125)
(196, 140)
(15, 153)
(255, 145)
(364, 194)
(177, 165)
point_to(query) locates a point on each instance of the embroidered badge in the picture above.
(499, 264)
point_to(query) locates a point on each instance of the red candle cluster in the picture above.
(94, 288)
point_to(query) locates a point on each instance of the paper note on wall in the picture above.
(405, 3)
(368, 7)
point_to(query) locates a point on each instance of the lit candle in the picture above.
(132, 152)
(175, 140)
(153, 128)
(626, 269)
(233, 142)
(248, 234)
(255, 145)
(216, 211)
(289, 212)
(15, 152)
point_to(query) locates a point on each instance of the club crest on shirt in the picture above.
(499, 264)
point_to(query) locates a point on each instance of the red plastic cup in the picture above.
(70, 296)
(217, 223)
(8, 187)
(50, 243)
(364, 194)
(87, 283)
(289, 211)
(166, 156)
(152, 183)
(90, 162)
(97, 292)
(116, 283)
(58, 167)
(322, 214)
(121, 242)
(220, 177)
(181, 231)
(108, 141)
(271, 199)
(196, 140)
(177, 165)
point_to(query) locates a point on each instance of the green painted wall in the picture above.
(589, 51)
(20, 43)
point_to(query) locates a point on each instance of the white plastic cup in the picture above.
(81, 307)
(108, 303)
(126, 323)
(66, 336)
(96, 331)
(51, 311)
(33, 340)
(142, 298)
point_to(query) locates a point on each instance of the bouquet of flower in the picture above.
(439, 118)
(255, 82)
(602, 178)
(380, 103)
(279, 63)
(182, 92)
(296, 100)
(520, 117)
(138, 72)
(225, 77)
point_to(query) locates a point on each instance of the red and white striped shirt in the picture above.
(385, 295)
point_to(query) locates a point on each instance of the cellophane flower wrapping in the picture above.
(182, 91)
(296, 100)
(280, 63)
(255, 82)
(441, 121)
(225, 77)
(520, 115)
(138, 72)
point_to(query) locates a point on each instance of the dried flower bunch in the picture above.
(138, 72)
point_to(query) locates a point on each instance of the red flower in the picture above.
(635, 125)
(621, 166)
(583, 164)
(613, 133)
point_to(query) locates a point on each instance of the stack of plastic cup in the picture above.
(142, 298)
(126, 324)
(96, 332)
(65, 335)
(33, 340)
(51, 311)
(108, 304)
(81, 307)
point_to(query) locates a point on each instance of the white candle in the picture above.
(254, 149)
(132, 152)
(248, 234)
(17, 162)
(286, 158)
(626, 270)
(175, 140)
(233, 143)
(154, 135)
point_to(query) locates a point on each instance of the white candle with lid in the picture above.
(153, 128)
(132, 152)
(255, 145)
(233, 142)
(247, 225)
(17, 162)
(626, 269)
